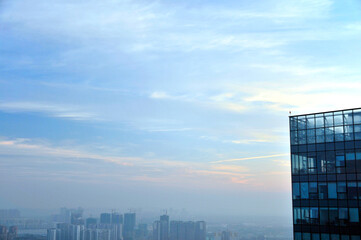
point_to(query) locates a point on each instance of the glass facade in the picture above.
(326, 175)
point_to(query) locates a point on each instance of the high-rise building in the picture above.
(326, 175)
(177, 230)
(129, 226)
(117, 218)
(105, 218)
(161, 228)
(164, 227)
(3, 233)
(91, 222)
(201, 231)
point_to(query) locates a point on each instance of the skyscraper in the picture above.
(129, 226)
(326, 175)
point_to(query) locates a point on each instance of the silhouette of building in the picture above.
(326, 175)
(129, 226)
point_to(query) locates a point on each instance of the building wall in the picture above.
(326, 175)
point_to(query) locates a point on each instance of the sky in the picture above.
(166, 104)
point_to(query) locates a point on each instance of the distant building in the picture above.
(91, 222)
(201, 230)
(129, 226)
(105, 218)
(326, 175)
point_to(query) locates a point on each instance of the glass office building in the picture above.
(326, 175)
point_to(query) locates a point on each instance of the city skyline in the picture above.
(157, 104)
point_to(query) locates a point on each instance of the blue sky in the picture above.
(165, 103)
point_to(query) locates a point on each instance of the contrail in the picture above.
(248, 158)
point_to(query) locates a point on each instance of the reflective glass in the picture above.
(329, 132)
(339, 134)
(321, 162)
(325, 236)
(352, 190)
(357, 116)
(331, 162)
(297, 215)
(295, 164)
(345, 237)
(301, 122)
(341, 190)
(333, 216)
(302, 137)
(320, 122)
(294, 138)
(311, 136)
(355, 237)
(296, 190)
(303, 164)
(328, 120)
(359, 190)
(332, 193)
(322, 190)
(304, 190)
(335, 237)
(305, 212)
(298, 236)
(357, 130)
(338, 118)
(340, 159)
(310, 121)
(347, 117)
(312, 166)
(293, 123)
(354, 216)
(348, 133)
(323, 216)
(315, 236)
(342, 213)
(306, 236)
(320, 135)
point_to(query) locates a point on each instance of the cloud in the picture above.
(53, 110)
(251, 158)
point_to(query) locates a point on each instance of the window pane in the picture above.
(295, 164)
(352, 190)
(348, 133)
(319, 122)
(323, 216)
(298, 236)
(320, 135)
(325, 236)
(310, 121)
(335, 237)
(302, 137)
(301, 122)
(297, 215)
(303, 164)
(296, 190)
(293, 123)
(294, 138)
(340, 159)
(306, 236)
(329, 134)
(357, 116)
(338, 118)
(305, 212)
(354, 217)
(342, 213)
(322, 190)
(321, 162)
(333, 216)
(347, 118)
(311, 136)
(304, 190)
(331, 161)
(339, 133)
(329, 120)
(315, 236)
(332, 193)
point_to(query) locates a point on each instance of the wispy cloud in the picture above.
(53, 110)
(251, 158)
